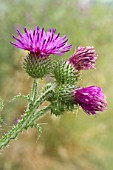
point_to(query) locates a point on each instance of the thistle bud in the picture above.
(84, 58)
(63, 99)
(64, 73)
(64, 93)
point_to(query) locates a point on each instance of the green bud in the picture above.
(64, 93)
(36, 66)
(64, 73)
(63, 99)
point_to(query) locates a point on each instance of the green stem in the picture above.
(37, 115)
(28, 118)
(12, 134)
(34, 90)
(45, 95)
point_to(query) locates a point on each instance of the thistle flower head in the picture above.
(84, 58)
(41, 43)
(91, 99)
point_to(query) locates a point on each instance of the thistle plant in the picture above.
(64, 92)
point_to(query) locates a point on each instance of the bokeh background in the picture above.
(69, 142)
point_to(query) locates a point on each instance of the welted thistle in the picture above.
(63, 93)
(40, 45)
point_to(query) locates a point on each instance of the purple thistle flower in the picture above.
(41, 43)
(91, 99)
(84, 58)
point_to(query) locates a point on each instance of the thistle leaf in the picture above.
(20, 96)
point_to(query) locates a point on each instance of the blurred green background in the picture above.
(68, 142)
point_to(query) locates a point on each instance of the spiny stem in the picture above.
(34, 105)
(38, 114)
(27, 119)
(34, 90)
(15, 131)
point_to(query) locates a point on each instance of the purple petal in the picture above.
(42, 43)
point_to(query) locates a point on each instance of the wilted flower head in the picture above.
(91, 99)
(41, 43)
(84, 58)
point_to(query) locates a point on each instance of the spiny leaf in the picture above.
(39, 130)
(19, 96)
